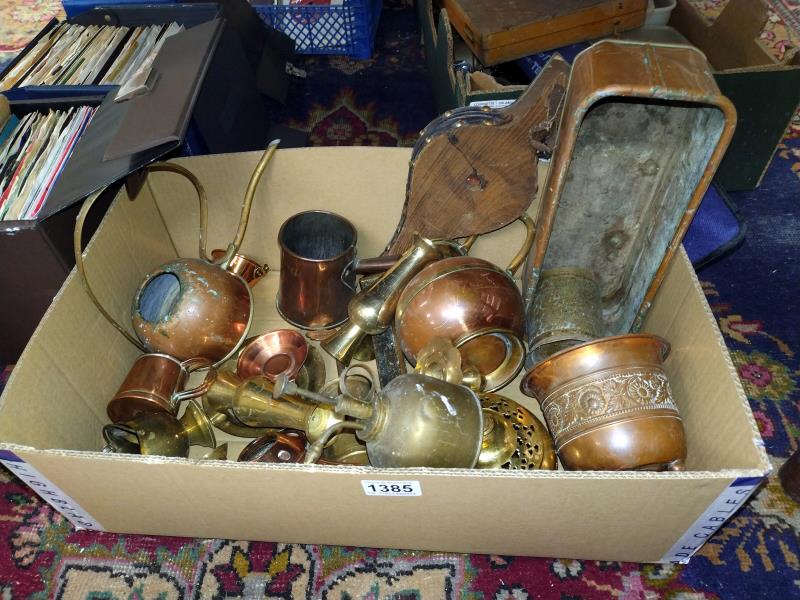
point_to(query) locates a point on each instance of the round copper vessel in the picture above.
(609, 405)
(273, 353)
(243, 266)
(190, 308)
(317, 279)
(472, 303)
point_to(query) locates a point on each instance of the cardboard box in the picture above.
(53, 407)
(451, 87)
(765, 91)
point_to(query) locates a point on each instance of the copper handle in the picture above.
(200, 390)
(379, 264)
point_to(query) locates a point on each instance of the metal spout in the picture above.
(372, 311)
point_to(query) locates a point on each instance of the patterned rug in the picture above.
(753, 292)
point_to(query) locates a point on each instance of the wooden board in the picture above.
(502, 31)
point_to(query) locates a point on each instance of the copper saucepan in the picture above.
(472, 303)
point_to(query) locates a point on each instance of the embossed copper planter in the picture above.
(243, 266)
(472, 303)
(154, 384)
(317, 279)
(273, 353)
(565, 312)
(609, 405)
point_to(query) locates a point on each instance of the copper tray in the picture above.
(643, 129)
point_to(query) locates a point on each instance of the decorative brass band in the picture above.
(589, 401)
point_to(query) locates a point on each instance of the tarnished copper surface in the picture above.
(273, 353)
(154, 384)
(316, 279)
(284, 447)
(643, 130)
(243, 266)
(189, 308)
(609, 405)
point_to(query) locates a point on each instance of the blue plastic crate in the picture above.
(347, 28)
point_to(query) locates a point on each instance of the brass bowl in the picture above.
(243, 266)
(609, 405)
(190, 308)
(472, 303)
(273, 353)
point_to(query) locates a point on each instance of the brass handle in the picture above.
(530, 236)
(77, 247)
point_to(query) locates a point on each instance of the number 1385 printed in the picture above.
(391, 488)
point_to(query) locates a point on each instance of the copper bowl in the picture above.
(609, 406)
(190, 308)
(243, 266)
(273, 353)
(288, 446)
(472, 303)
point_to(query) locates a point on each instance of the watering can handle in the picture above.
(79, 266)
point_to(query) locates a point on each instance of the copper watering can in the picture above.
(189, 307)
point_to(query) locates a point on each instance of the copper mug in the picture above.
(155, 383)
(317, 279)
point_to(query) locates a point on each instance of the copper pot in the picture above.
(609, 405)
(190, 307)
(154, 384)
(243, 266)
(472, 303)
(317, 279)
